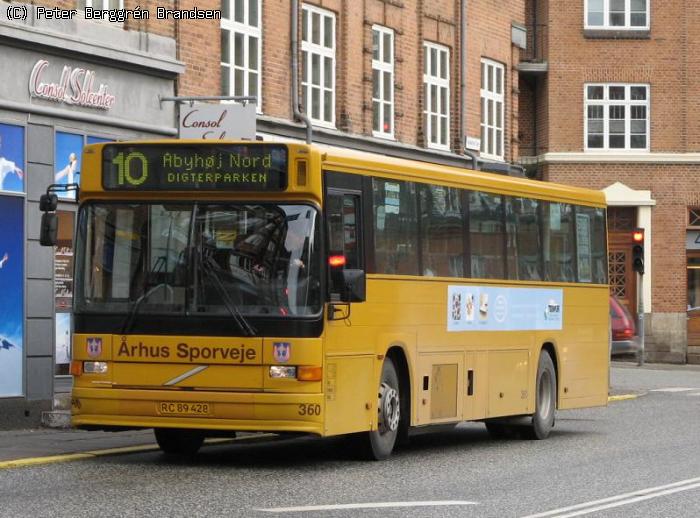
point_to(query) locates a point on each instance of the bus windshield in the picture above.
(199, 259)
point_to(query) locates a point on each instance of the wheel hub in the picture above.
(389, 412)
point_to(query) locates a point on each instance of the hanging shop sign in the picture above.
(218, 121)
(76, 86)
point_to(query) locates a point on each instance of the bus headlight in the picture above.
(282, 371)
(94, 367)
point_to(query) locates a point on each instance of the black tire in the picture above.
(378, 444)
(545, 399)
(498, 430)
(173, 441)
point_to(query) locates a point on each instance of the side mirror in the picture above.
(354, 286)
(49, 229)
(48, 202)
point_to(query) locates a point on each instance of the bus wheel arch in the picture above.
(545, 397)
(400, 361)
(550, 348)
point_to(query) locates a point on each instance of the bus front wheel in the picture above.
(174, 441)
(545, 399)
(378, 444)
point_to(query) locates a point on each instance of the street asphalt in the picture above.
(636, 458)
(44, 442)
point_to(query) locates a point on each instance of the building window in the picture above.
(241, 49)
(382, 82)
(617, 117)
(318, 65)
(694, 217)
(617, 14)
(436, 80)
(101, 4)
(492, 109)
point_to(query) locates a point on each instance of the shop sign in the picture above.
(218, 121)
(76, 86)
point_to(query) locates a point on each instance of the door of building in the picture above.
(693, 269)
(623, 279)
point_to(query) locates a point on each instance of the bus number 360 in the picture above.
(309, 409)
(126, 170)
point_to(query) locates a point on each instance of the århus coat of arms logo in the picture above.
(94, 347)
(281, 351)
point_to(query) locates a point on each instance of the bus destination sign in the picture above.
(194, 167)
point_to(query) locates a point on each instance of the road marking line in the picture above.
(673, 389)
(631, 501)
(368, 505)
(694, 394)
(622, 397)
(620, 500)
(52, 459)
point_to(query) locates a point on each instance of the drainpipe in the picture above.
(536, 82)
(463, 83)
(298, 115)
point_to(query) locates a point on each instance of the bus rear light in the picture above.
(95, 367)
(310, 373)
(282, 371)
(76, 368)
(336, 260)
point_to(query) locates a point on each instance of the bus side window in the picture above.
(396, 230)
(344, 231)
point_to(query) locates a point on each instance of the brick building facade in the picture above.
(608, 94)
(416, 30)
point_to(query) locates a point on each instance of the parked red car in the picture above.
(624, 330)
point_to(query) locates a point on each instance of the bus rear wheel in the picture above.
(173, 441)
(378, 444)
(545, 399)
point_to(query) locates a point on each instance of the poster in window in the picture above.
(392, 198)
(583, 247)
(63, 262)
(12, 173)
(63, 341)
(69, 148)
(11, 295)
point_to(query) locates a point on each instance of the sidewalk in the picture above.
(46, 442)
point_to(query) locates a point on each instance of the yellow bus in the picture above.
(223, 287)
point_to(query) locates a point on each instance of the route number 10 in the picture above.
(126, 172)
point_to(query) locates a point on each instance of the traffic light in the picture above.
(638, 250)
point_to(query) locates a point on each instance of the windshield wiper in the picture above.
(209, 268)
(161, 262)
(157, 267)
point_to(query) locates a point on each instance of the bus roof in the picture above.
(351, 161)
(359, 162)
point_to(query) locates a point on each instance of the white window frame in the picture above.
(82, 4)
(248, 32)
(310, 49)
(383, 68)
(88, 3)
(606, 102)
(490, 70)
(439, 83)
(606, 18)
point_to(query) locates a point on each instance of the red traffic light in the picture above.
(638, 235)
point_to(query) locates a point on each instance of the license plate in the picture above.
(179, 408)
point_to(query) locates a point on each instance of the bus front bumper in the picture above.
(220, 411)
